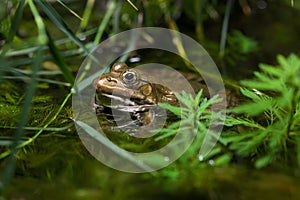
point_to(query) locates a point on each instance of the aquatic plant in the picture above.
(264, 130)
(271, 119)
(194, 118)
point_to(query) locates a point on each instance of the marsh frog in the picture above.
(127, 90)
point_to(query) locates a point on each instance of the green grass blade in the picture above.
(25, 78)
(16, 21)
(41, 72)
(60, 61)
(225, 27)
(54, 129)
(132, 5)
(3, 62)
(58, 21)
(114, 148)
(30, 91)
(116, 17)
(104, 22)
(8, 141)
(42, 36)
(87, 14)
(69, 9)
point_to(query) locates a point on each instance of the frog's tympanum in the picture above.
(127, 90)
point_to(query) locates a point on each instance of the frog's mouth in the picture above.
(125, 104)
(114, 108)
(122, 102)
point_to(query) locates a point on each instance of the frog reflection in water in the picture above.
(130, 92)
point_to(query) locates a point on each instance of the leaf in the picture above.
(58, 21)
(272, 70)
(215, 151)
(132, 5)
(16, 21)
(283, 62)
(185, 99)
(263, 161)
(278, 114)
(199, 96)
(24, 117)
(110, 10)
(250, 94)
(174, 109)
(174, 128)
(247, 147)
(59, 60)
(223, 160)
(7, 141)
(3, 62)
(253, 109)
(277, 135)
(114, 148)
(272, 85)
(285, 100)
(25, 78)
(211, 101)
(263, 77)
(237, 138)
(231, 121)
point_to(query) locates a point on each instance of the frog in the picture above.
(131, 92)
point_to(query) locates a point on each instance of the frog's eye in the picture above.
(129, 77)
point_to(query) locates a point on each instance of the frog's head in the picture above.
(131, 86)
(127, 90)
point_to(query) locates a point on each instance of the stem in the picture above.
(292, 113)
(104, 22)
(87, 14)
(199, 28)
(225, 27)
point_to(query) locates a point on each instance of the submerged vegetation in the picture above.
(42, 46)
